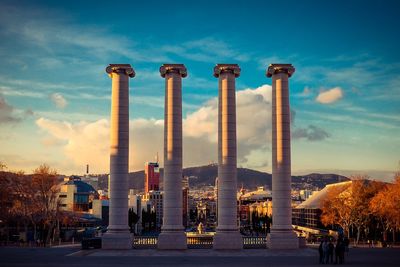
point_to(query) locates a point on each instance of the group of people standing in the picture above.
(327, 249)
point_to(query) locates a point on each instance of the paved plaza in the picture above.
(73, 256)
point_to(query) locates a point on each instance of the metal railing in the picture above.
(200, 241)
(145, 242)
(254, 242)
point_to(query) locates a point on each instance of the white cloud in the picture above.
(330, 96)
(58, 100)
(84, 143)
(253, 114)
(88, 142)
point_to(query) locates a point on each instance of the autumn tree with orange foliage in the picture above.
(362, 191)
(348, 206)
(386, 207)
(335, 208)
(380, 206)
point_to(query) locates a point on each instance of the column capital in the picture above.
(230, 68)
(120, 68)
(280, 68)
(173, 68)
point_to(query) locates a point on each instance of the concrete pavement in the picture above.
(10, 257)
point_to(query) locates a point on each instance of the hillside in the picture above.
(205, 175)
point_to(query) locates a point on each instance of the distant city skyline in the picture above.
(345, 94)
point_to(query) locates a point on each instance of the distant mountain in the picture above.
(205, 175)
(316, 180)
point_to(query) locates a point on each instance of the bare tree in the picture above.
(44, 182)
(6, 202)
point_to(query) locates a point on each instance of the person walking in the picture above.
(346, 244)
(321, 252)
(325, 248)
(342, 249)
(331, 248)
(337, 251)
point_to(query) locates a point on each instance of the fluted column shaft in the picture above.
(118, 236)
(172, 235)
(227, 182)
(173, 153)
(281, 165)
(119, 152)
(227, 235)
(282, 235)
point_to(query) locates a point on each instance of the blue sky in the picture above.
(345, 94)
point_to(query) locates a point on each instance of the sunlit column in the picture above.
(282, 235)
(172, 233)
(227, 235)
(118, 235)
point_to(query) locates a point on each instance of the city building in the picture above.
(305, 194)
(263, 208)
(206, 210)
(135, 203)
(76, 195)
(254, 207)
(100, 209)
(308, 214)
(153, 201)
(257, 195)
(151, 177)
(185, 200)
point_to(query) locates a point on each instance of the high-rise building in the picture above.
(151, 177)
(153, 201)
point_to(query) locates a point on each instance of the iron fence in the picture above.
(199, 242)
(254, 242)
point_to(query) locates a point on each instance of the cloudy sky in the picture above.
(345, 94)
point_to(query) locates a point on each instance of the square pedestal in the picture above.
(228, 240)
(172, 240)
(282, 240)
(112, 240)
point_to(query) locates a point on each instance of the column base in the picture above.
(282, 239)
(172, 241)
(116, 240)
(228, 240)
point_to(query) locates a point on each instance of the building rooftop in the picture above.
(81, 187)
(315, 200)
(259, 194)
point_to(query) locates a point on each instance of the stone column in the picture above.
(282, 235)
(227, 235)
(172, 233)
(118, 235)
